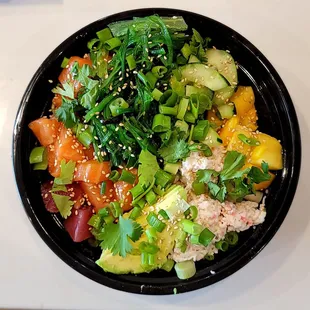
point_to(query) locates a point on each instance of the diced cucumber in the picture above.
(190, 89)
(193, 59)
(222, 96)
(203, 75)
(224, 63)
(226, 110)
(212, 138)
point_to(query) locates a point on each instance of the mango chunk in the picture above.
(244, 100)
(249, 120)
(269, 151)
(228, 129)
(235, 144)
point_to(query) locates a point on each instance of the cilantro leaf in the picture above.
(66, 90)
(66, 112)
(91, 94)
(116, 237)
(66, 173)
(239, 191)
(256, 175)
(64, 204)
(204, 175)
(218, 192)
(233, 162)
(147, 168)
(265, 167)
(177, 149)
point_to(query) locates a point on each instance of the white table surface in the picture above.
(32, 276)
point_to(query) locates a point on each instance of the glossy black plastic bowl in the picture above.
(277, 117)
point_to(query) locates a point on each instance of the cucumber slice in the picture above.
(193, 59)
(203, 75)
(226, 111)
(224, 63)
(212, 138)
(190, 89)
(222, 96)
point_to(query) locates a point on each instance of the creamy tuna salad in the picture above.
(152, 148)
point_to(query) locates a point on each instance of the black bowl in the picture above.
(277, 117)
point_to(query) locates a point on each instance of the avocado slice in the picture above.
(132, 262)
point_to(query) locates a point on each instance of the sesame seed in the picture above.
(50, 81)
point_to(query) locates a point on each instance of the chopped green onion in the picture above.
(151, 79)
(193, 211)
(168, 265)
(116, 209)
(165, 137)
(191, 133)
(103, 188)
(146, 247)
(127, 177)
(95, 221)
(194, 105)
(183, 126)
(151, 234)
(248, 141)
(151, 259)
(135, 213)
(189, 117)
(206, 236)
(108, 219)
(112, 43)
(155, 222)
(185, 270)
(137, 191)
(131, 62)
(163, 178)
(156, 93)
(198, 188)
(159, 71)
(150, 197)
(104, 35)
(194, 239)
(172, 168)
(64, 63)
(177, 74)
(231, 238)
(91, 44)
(191, 227)
(209, 257)
(222, 245)
(186, 51)
(144, 259)
(161, 123)
(164, 214)
(85, 136)
(140, 203)
(43, 164)
(117, 106)
(201, 130)
(114, 176)
(37, 155)
(183, 105)
(104, 212)
(180, 240)
(168, 110)
(169, 98)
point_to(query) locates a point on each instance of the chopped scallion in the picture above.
(114, 176)
(231, 238)
(185, 270)
(150, 197)
(161, 123)
(206, 236)
(127, 177)
(104, 35)
(191, 227)
(112, 43)
(155, 222)
(64, 63)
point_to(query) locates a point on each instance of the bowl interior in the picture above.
(276, 117)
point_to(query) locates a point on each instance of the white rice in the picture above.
(216, 216)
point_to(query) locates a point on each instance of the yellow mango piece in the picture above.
(228, 129)
(249, 120)
(235, 144)
(244, 100)
(261, 185)
(269, 151)
(212, 118)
